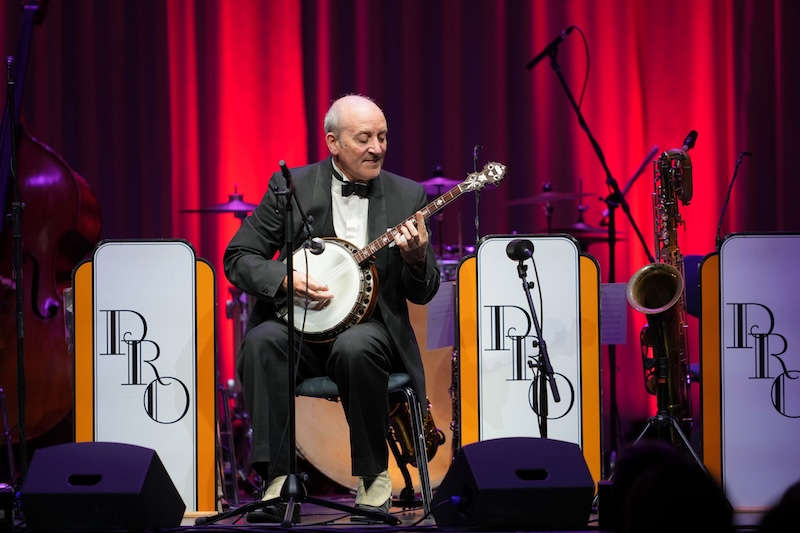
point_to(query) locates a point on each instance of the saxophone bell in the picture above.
(655, 288)
(656, 291)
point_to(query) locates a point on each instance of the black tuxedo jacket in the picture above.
(249, 265)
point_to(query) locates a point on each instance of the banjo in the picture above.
(351, 275)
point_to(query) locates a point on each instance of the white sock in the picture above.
(274, 488)
(378, 491)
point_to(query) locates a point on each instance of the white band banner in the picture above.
(760, 367)
(145, 351)
(507, 376)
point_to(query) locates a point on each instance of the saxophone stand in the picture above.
(294, 492)
(519, 250)
(614, 200)
(663, 424)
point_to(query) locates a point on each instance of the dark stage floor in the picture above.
(321, 518)
(318, 518)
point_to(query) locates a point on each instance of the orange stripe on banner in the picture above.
(711, 360)
(590, 363)
(206, 409)
(468, 350)
(83, 354)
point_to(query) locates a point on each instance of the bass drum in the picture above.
(323, 435)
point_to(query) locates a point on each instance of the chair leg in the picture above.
(417, 426)
(406, 499)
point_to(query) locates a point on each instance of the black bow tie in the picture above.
(359, 188)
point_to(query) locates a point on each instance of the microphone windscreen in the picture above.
(519, 249)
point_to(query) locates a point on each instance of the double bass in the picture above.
(61, 225)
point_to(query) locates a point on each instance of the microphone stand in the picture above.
(17, 208)
(718, 241)
(613, 201)
(293, 491)
(477, 194)
(543, 362)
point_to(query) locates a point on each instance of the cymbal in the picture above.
(550, 196)
(235, 204)
(438, 184)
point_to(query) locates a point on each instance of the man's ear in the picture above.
(332, 142)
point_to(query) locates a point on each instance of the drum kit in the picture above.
(322, 434)
(584, 233)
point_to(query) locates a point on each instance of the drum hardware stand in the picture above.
(613, 200)
(439, 173)
(477, 194)
(519, 250)
(293, 492)
(227, 451)
(7, 435)
(548, 208)
(237, 308)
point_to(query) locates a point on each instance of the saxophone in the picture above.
(401, 435)
(657, 290)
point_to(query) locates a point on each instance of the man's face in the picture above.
(360, 146)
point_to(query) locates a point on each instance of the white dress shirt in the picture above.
(349, 213)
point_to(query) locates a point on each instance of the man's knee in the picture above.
(264, 344)
(358, 348)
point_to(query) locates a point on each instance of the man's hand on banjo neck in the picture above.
(412, 240)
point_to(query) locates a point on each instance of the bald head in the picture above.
(355, 133)
(343, 106)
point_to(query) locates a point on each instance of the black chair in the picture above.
(399, 386)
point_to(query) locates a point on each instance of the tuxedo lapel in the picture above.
(376, 218)
(323, 220)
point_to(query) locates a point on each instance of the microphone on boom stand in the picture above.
(520, 250)
(550, 48)
(728, 197)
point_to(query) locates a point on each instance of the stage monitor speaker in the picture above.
(516, 483)
(99, 486)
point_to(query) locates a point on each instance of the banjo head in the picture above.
(351, 286)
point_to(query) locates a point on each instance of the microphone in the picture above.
(688, 142)
(519, 250)
(316, 245)
(550, 48)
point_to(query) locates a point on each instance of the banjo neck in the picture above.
(491, 173)
(388, 237)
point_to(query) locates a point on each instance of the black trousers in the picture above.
(359, 361)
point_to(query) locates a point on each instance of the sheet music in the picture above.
(441, 318)
(613, 313)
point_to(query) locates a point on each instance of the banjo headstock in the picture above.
(492, 173)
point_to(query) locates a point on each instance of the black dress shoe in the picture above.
(273, 513)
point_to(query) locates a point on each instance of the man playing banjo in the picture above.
(348, 196)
